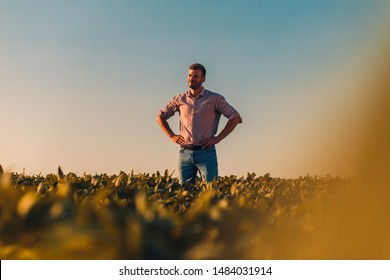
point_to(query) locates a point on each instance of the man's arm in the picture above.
(229, 127)
(178, 139)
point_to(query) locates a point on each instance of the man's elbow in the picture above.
(237, 119)
(159, 118)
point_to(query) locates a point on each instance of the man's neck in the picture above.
(195, 92)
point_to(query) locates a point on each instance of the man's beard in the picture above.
(193, 85)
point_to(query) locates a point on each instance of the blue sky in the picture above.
(82, 81)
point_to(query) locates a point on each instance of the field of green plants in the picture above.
(152, 216)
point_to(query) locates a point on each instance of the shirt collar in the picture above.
(202, 93)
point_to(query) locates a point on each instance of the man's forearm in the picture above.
(178, 139)
(165, 126)
(229, 127)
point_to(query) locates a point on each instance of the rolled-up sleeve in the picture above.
(169, 110)
(227, 110)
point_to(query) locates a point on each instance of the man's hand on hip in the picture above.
(208, 142)
(178, 139)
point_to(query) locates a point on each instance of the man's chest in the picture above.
(198, 108)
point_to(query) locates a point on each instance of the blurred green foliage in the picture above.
(152, 216)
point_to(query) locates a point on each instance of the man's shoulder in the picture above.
(211, 94)
(180, 96)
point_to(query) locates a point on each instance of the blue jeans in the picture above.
(204, 161)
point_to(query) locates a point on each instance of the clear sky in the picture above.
(82, 81)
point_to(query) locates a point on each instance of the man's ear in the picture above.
(204, 79)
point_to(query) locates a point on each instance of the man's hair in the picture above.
(197, 66)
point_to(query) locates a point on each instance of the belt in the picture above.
(193, 147)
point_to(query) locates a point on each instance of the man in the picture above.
(200, 111)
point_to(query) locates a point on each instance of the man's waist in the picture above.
(197, 147)
(193, 147)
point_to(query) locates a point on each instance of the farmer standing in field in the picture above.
(200, 111)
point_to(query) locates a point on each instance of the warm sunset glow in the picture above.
(80, 86)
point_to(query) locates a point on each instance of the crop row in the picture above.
(152, 216)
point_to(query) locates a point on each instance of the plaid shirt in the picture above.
(199, 117)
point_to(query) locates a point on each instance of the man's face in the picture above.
(195, 79)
